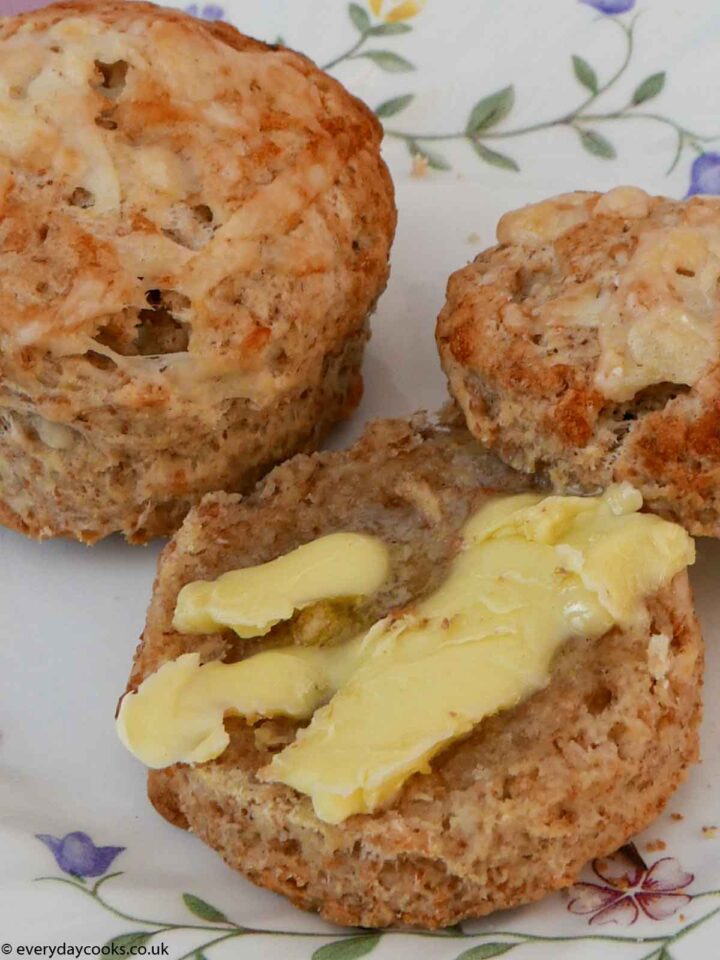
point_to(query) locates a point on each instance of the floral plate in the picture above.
(487, 104)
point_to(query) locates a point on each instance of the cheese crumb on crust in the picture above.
(659, 657)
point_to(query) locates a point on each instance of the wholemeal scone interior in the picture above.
(585, 347)
(410, 485)
(510, 811)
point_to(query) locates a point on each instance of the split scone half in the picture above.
(584, 347)
(194, 231)
(448, 711)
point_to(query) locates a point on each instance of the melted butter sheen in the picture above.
(533, 572)
(252, 600)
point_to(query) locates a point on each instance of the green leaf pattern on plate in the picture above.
(137, 938)
(389, 29)
(388, 108)
(360, 17)
(585, 74)
(490, 110)
(202, 909)
(597, 144)
(387, 60)
(349, 949)
(434, 160)
(494, 157)
(485, 951)
(487, 118)
(649, 88)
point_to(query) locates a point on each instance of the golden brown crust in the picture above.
(507, 815)
(9, 519)
(522, 351)
(192, 240)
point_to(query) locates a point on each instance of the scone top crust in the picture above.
(182, 206)
(585, 346)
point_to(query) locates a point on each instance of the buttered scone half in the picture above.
(194, 230)
(397, 690)
(585, 347)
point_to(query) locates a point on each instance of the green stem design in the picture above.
(577, 118)
(348, 53)
(160, 927)
(681, 933)
(208, 943)
(629, 34)
(229, 930)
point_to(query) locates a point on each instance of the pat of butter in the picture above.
(532, 573)
(177, 714)
(251, 601)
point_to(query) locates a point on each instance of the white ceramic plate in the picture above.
(70, 616)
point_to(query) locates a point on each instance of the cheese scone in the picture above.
(585, 347)
(393, 688)
(195, 228)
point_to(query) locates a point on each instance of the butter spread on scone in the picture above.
(531, 573)
(252, 600)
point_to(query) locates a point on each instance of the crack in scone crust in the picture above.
(534, 334)
(195, 229)
(508, 814)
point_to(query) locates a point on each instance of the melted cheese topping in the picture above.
(544, 222)
(657, 318)
(148, 119)
(661, 323)
(531, 574)
(49, 85)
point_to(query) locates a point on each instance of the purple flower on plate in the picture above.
(630, 887)
(76, 854)
(705, 174)
(610, 6)
(208, 11)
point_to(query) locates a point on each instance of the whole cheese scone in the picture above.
(395, 688)
(585, 347)
(194, 229)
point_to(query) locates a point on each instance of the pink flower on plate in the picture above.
(630, 886)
